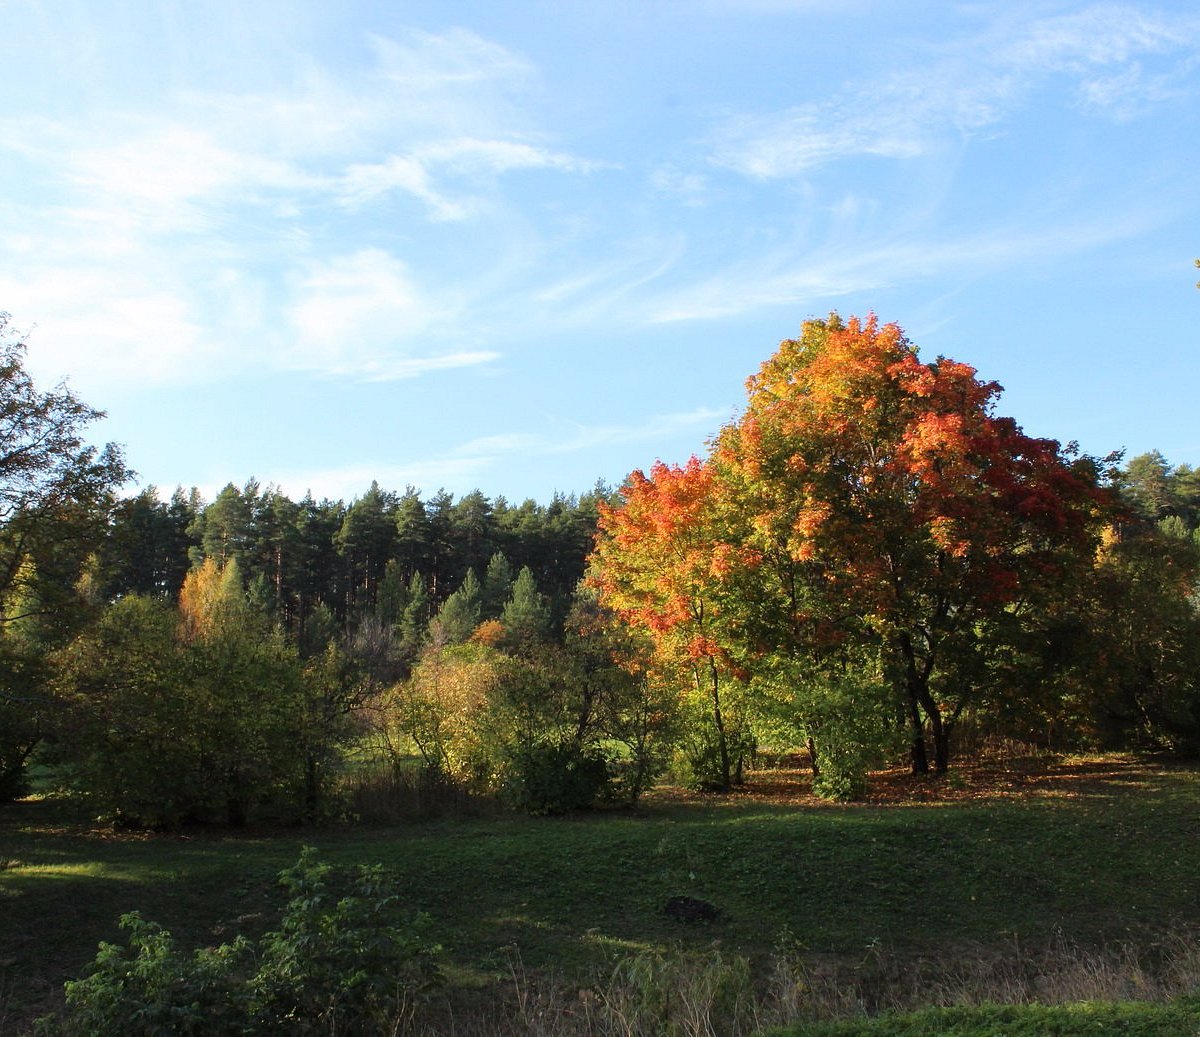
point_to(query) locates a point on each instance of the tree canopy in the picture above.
(866, 503)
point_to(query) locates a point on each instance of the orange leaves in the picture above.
(948, 536)
(890, 479)
(703, 647)
(490, 633)
(662, 560)
(652, 550)
(862, 497)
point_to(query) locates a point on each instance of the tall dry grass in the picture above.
(385, 794)
(717, 994)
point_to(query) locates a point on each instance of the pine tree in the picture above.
(459, 615)
(526, 616)
(416, 615)
(497, 586)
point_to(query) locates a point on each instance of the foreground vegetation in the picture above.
(1039, 880)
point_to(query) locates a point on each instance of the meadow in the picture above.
(1021, 879)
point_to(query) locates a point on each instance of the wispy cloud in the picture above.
(797, 277)
(969, 86)
(363, 314)
(566, 438)
(167, 171)
(211, 226)
(463, 467)
(418, 172)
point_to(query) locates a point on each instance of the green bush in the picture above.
(852, 725)
(345, 959)
(342, 958)
(553, 778)
(151, 988)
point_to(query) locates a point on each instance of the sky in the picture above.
(524, 246)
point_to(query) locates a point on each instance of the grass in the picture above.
(1104, 851)
(1087, 1019)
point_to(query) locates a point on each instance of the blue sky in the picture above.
(523, 246)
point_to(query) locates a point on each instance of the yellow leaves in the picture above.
(211, 599)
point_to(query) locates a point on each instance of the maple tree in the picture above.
(890, 507)
(868, 521)
(659, 563)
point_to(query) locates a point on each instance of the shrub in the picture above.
(344, 959)
(151, 988)
(853, 727)
(553, 778)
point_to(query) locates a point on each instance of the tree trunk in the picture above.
(938, 728)
(913, 695)
(719, 723)
(916, 685)
(941, 742)
(920, 761)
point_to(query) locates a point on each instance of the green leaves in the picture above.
(345, 958)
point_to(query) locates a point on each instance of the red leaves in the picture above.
(858, 459)
(657, 549)
(862, 485)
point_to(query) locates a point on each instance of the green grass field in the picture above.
(1097, 853)
(1130, 1019)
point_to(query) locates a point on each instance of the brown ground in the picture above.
(993, 775)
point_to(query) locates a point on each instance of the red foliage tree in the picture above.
(890, 501)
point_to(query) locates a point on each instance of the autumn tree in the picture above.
(891, 509)
(659, 563)
(443, 709)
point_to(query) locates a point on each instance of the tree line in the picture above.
(365, 559)
(868, 562)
